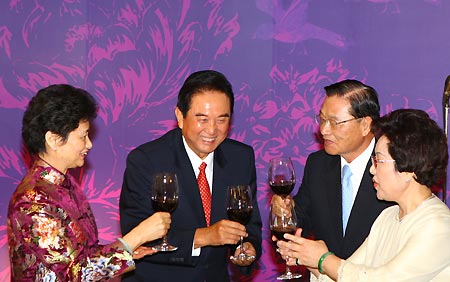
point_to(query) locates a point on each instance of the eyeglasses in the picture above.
(321, 121)
(376, 161)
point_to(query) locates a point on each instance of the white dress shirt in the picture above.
(196, 161)
(358, 167)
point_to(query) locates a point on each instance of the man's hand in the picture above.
(280, 206)
(249, 250)
(224, 232)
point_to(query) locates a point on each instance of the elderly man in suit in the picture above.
(201, 231)
(330, 205)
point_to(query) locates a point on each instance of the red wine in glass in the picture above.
(279, 232)
(280, 224)
(240, 215)
(239, 209)
(164, 204)
(164, 195)
(282, 188)
(281, 176)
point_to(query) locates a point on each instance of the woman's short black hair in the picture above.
(57, 108)
(200, 81)
(416, 143)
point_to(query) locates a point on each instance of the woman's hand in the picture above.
(152, 228)
(143, 251)
(304, 251)
(155, 226)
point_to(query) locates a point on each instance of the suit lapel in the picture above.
(187, 182)
(335, 196)
(363, 194)
(220, 186)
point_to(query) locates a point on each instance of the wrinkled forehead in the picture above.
(335, 106)
(209, 96)
(210, 102)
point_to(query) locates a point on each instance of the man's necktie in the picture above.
(205, 192)
(347, 196)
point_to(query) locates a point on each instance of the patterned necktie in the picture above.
(205, 193)
(347, 196)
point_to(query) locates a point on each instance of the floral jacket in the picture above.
(52, 233)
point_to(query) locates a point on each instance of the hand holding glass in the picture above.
(279, 225)
(164, 199)
(239, 208)
(281, 176)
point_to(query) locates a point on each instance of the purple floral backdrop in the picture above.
(133, 57)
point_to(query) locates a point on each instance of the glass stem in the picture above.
(242, 245)
(165, 243)
(288, 270)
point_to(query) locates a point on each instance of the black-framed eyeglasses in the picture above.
(321, 121)
(376, 161)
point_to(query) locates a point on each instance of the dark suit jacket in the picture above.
(319, 205)
(234, 163)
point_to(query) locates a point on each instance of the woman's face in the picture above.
(72, 153)
(388, 182)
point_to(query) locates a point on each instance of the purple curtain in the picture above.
(133, 57)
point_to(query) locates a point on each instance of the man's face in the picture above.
(206, 123)
(347, 139)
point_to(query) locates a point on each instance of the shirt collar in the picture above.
(196, 161)
(360, 163)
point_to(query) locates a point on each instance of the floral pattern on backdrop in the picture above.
(133, 56)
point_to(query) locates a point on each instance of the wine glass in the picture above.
(281, 176)
(239, 208)
(280, 224)
(164, 199)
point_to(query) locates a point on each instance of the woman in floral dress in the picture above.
(52, 232)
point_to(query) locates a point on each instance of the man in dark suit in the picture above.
(204, 109)
(345, 119)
